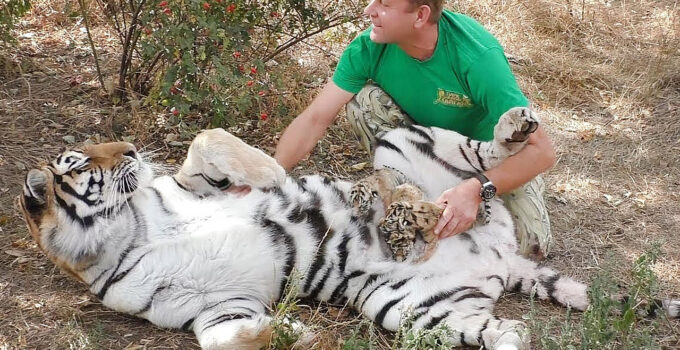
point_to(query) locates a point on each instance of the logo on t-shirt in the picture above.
(452, 99)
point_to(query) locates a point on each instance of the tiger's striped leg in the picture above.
(525, 276)
(237, 324)
(475, 328)
(464, 310)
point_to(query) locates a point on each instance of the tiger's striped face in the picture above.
(65, 198)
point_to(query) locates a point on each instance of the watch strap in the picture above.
(482, 179)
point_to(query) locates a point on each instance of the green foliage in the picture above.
(408, 338)
(10, 10)
(209, 57)
(358, 341)
(286, 328)
(607, 323)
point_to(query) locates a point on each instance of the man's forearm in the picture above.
(535, 158)
(301, 135)
(298, 140)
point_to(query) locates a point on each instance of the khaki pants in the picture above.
(372, 113)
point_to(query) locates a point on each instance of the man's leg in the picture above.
(527, 206)
(372, 113)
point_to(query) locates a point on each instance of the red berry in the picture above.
(163, 4)
(263, 116)
(174, 90)
(261, 93)
(174, 111)
(206, 6)
(250, 83)
(237, 54)
(167, 11)
(231, 8)
(253, 70)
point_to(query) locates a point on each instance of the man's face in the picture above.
(392, 20)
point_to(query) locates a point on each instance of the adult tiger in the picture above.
(183, 252)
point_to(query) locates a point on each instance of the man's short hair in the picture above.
(435, 5)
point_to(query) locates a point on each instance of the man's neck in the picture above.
(421, 46)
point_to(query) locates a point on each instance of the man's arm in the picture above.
(535, 158)
(462, 201)
(301, 135)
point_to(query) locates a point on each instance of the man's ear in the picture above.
(35, 190)
(423, 15)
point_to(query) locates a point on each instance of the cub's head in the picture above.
(65, 199)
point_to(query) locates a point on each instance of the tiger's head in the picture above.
(64, 200)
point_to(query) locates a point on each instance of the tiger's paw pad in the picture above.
(362, 196)
(517, 124)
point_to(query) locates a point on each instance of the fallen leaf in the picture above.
(15, 252)
(359, 166)
(586, 135)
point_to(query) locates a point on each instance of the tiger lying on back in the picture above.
(183, 252)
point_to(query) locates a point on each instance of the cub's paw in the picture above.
(362, 196)
(516, 125)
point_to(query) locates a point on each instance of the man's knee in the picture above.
(527, 206)
(372, 113)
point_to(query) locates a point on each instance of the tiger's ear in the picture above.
(35, 190)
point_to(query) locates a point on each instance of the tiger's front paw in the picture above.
(516, 125)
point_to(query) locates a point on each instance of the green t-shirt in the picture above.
(465, 86)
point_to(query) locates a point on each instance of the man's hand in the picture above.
(460, 204)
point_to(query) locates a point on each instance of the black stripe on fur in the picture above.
(436, 320)
(390, 146)
(224, 318)
(371, 278)
(380, 317)
(322, 283)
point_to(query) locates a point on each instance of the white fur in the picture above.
(214, 262)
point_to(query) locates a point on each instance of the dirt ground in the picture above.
(604, 77)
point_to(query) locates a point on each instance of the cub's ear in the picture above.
(35, 190)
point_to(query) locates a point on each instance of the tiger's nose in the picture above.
(123, 149)
(111, 150)
(130, 150)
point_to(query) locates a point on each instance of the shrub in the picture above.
(607, 323)
(10, 10)
(209, 56)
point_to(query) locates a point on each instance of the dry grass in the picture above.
(603, 75)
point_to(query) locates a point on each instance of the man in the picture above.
(444, 69)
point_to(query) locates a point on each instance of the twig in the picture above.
(296, 40)
(83, 10)
(128, 48)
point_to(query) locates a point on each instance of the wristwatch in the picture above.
(488, 190)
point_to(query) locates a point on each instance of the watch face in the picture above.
(488, 192)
